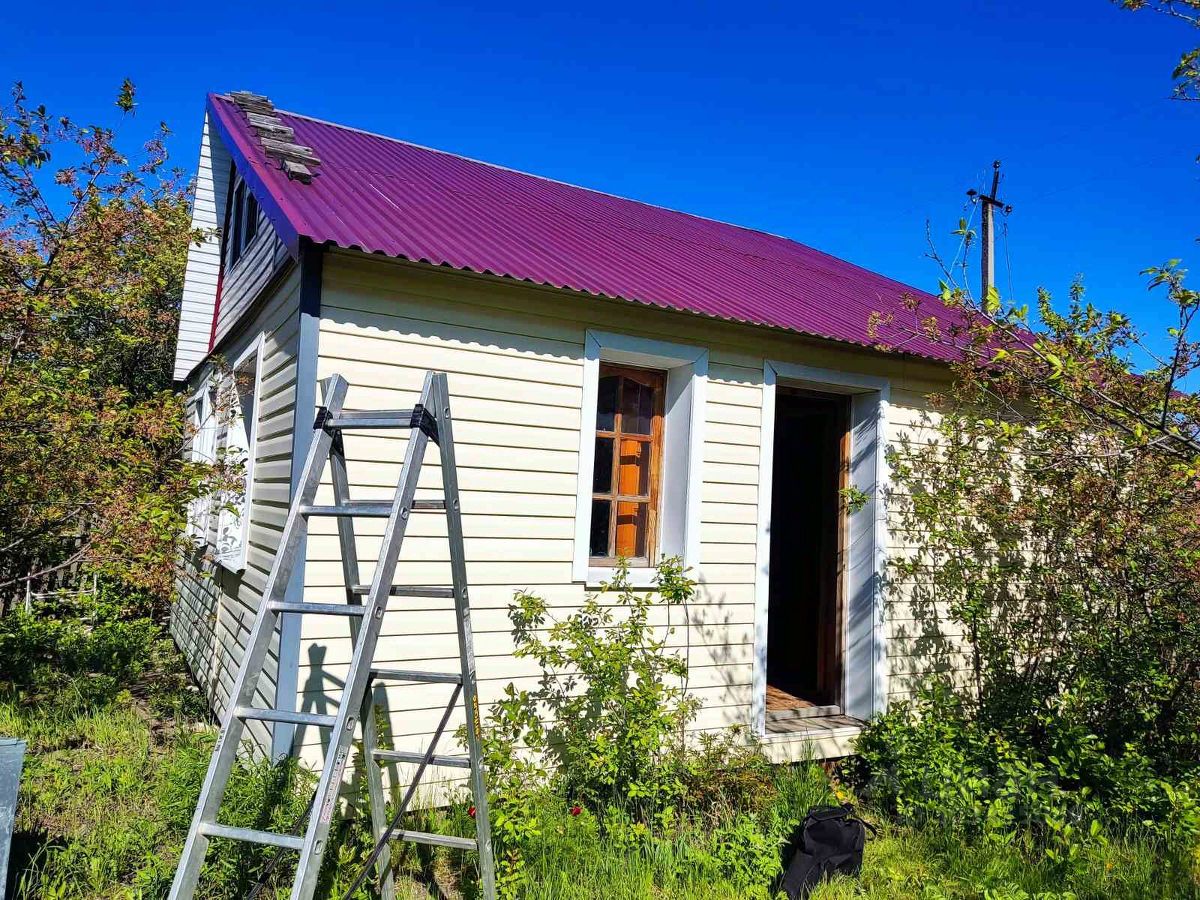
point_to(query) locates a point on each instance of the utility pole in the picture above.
(987, 262)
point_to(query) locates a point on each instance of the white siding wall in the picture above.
(241, 285)
(513, 355)
(216, 607)
(204, 259)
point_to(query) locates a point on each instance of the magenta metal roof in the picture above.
(382, 195)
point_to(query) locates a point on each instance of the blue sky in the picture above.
(844, 126)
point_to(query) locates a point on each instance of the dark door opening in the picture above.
(804, 618)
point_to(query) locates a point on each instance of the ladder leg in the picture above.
(374, 778)
(187, 875)
(359, 672)
(225, 752)
(375, 796)
(458, 567)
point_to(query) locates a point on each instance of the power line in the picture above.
(962, 243)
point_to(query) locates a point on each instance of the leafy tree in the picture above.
(1049, 507)
(1187, 71)
(1053, 506)
(1055, 513)
(92, 252)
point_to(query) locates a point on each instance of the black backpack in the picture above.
(829, 841)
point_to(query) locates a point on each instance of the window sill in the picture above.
(639, 578)
(812, 727)
(233, 565)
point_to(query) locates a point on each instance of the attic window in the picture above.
(241, 222)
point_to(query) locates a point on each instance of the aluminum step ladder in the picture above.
(365, 607)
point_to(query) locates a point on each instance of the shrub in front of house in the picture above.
(1048, 512)
(604, 735)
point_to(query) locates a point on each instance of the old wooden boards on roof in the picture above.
(277, 140)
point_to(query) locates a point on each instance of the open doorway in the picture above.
(805, 618)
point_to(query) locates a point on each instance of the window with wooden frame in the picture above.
(627, 472)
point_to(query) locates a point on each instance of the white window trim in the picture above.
(236, 561)
(200, 509)
(864, 583)
(683, 446)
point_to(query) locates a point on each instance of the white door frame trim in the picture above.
(870, 406)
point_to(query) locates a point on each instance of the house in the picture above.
(626, 381)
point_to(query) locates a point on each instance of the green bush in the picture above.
(102, 643)
(934, 765)
(726, 771)
(605, 728)
(598, 752)
(1047, 511)
(611, 695)
(746, 855)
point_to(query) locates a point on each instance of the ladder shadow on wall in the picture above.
(316, 690)
(318, 687)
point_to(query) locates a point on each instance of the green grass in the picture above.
(88, 817)
(903, 862)
(115, 764)
(574, 858)
(112, 772)
(900, 863)
(107, 794)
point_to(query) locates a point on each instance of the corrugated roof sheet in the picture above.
(383, 195)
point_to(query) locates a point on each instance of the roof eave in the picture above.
(822, 339)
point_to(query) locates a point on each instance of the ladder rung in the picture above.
(252, 836)
(409, 675)
(374, 509)
(320, 609)
(283, 715)
(418, 417)
(436, 840)
(375, 418)
(454, 762)
(409, 590)
(369, 509)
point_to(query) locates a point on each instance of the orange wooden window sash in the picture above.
(636, 470)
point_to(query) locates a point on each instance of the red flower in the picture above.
(576, 809)
(471, 812)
